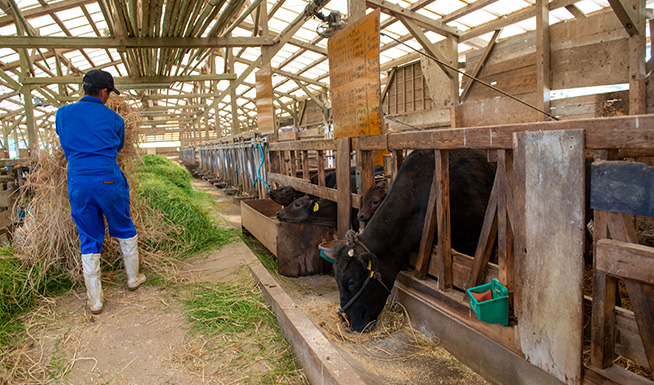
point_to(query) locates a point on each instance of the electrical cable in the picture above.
(471, 77)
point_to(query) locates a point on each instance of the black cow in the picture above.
(367, 269)
(309, 209)
(371, 200)
(285, 195)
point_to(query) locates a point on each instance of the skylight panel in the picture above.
(446, 6)
(9, 30)
(473, 19)
(430, 13)
(41, 21)
(589, 6)
(560, 14)
(284, 15)
(504, 7)
(397, 29)
(83, 31)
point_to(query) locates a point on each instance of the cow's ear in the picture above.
(369, 261)
(382, 184)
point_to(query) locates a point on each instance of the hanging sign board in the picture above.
(265, 111)
(354, 78)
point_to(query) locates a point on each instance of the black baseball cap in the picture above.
(100, 79)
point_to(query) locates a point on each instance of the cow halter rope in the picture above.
(352, 240)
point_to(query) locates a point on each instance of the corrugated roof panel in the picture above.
(589, 6)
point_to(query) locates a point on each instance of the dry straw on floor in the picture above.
(48, 237)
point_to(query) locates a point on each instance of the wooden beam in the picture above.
(417, 33)
(543, 53)
(626, 260)
(45, 10)
(313, 97)
(300, 78)
(627, 16)
(480, 64)
(425, 22)
(510, 19)
(576, 12)
(637, 64)
(123, 43)
(142, 80)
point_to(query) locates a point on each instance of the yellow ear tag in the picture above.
(316, 207)
(369, 265)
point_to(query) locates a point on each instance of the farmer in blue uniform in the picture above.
(91, 134)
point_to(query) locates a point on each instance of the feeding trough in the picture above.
(220, 185)
(231, 191)
(294, 244)
(327, 249)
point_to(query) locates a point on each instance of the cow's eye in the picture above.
(350, 285)
(376, 202)
(297, 204)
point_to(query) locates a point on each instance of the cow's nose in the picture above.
(279, 215)
(360, 217)
(270, 194)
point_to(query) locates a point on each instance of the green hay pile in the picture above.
(166, 187)
(235, 317)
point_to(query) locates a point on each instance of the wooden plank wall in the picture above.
(408, 91)
(585, 52)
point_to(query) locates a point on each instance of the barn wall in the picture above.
(407, 92)
(312, 114)
(585, 52)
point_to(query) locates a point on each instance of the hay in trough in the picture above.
(47, 241)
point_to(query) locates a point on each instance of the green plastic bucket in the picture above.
(494, 310)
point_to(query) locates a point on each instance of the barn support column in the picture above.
(455, 107)
(637, 64)
(232, 92)
(549, 185)
(543, 76)
(356, 9)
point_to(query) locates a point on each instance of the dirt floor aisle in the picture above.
(144, 337)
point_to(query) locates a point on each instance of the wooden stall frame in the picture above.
(620, 135)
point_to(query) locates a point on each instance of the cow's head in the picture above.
(284, 195)
(371, 201)
(361, 291)
(300, 210)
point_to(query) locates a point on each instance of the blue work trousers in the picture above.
(94, 196)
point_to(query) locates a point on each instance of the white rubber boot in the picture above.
(91, 270)
(130, 249)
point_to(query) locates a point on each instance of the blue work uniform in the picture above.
(91, 134)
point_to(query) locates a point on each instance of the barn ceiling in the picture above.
(173, 57)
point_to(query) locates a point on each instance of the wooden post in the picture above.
(455, 108)
(33, 140)
(505, 218)
(305, 165)
(543, 78)
(356, 9)
(637, 64)
(321, 168)
(343, 149)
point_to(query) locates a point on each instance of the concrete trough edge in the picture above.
(321, 362)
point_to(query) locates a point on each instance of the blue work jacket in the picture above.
(91, 134)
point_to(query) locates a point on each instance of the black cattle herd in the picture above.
(368, 264)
